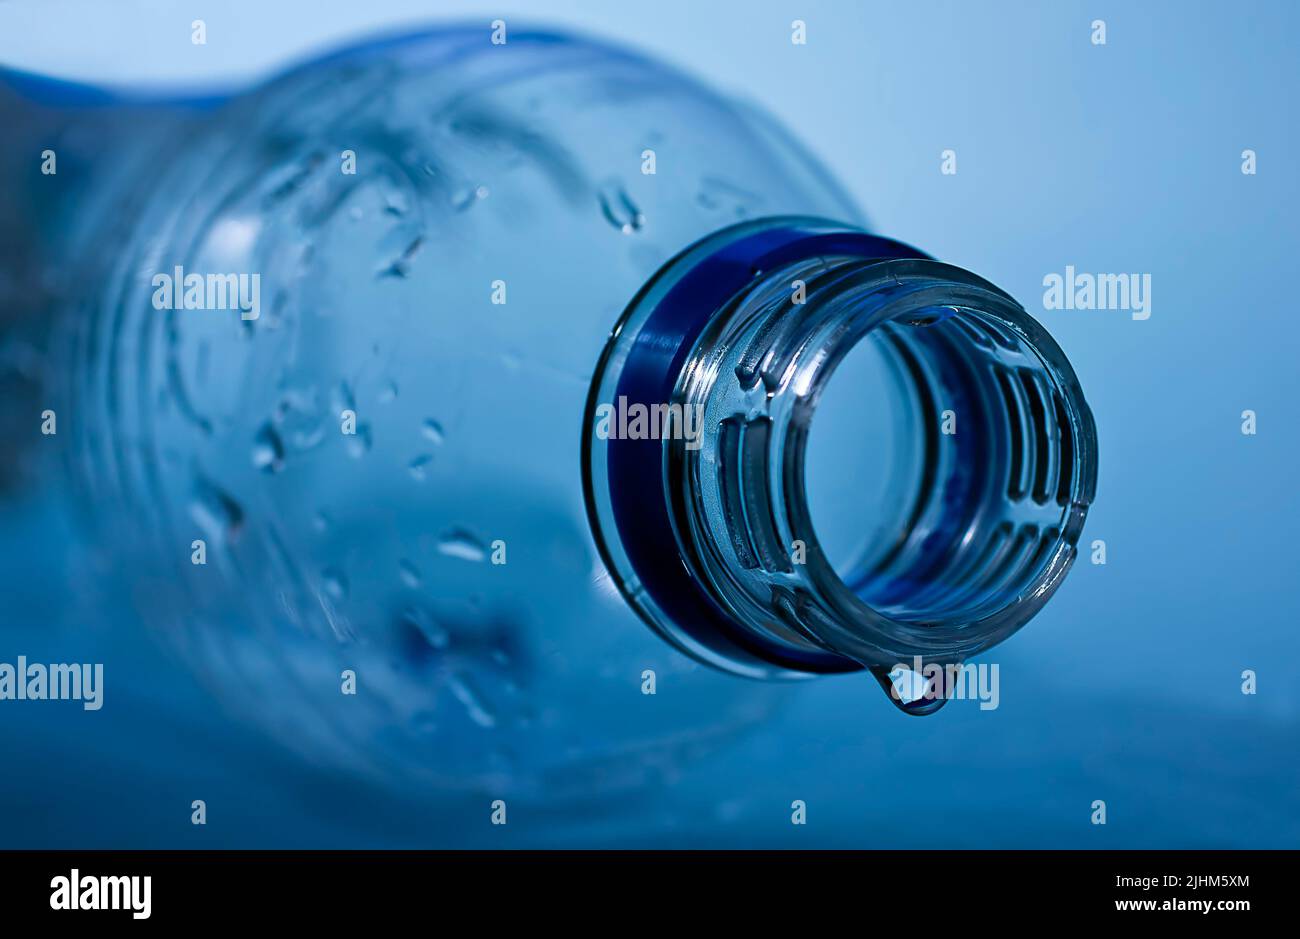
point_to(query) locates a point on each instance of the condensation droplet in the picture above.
(419, 466)
(719, 195)
(471, 700)
(400, 265)
(268, 450)
(334, 583)
(619, 209)
(219, 516)
(432, 430)
(430, 629)
(396, 203)
(463, 199)
(459, 543)
(409, 573)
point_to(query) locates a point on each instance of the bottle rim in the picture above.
(659, 512)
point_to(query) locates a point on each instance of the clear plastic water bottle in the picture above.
(506, 362)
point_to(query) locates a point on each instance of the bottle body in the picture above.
(380, 449)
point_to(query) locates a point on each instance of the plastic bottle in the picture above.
(389, 435)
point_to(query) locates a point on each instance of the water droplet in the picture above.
(463, 199)
(268, 450)
(471, 700)
(396, 203)
(433, 632)
(219, 516)
(388, 393)
(400, 266)
(459, 543)
(910, 691)
(289, 179)
(619, 209)
(298, 406)
(419, 465)
(334, 583)
(409, 573)
(432, 430)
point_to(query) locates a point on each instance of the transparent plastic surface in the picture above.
(454, 296)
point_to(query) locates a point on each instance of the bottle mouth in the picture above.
(976, 503)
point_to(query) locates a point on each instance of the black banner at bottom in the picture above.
(358, 887)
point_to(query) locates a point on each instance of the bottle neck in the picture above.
(977, 506)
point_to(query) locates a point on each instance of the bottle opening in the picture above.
(862, 459)
(939, 468)
(923, 505)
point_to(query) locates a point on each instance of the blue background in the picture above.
(1123, 157)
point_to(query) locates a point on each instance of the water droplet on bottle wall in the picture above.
(396, 203)
(400, 266)
(432, 430)
(409, 573)
(430, 630)
(475, 707)
(268, 450)
(419, 466)
(464, 199)
(619, 209)
(334, 583)
(459, 543)
(219, 516)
